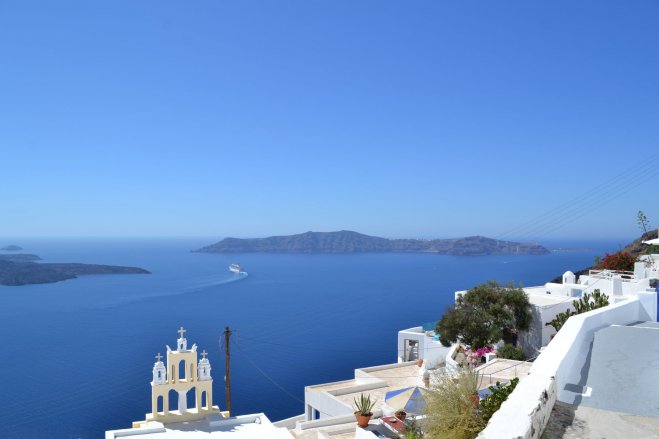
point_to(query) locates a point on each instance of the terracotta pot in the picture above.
(419, 362)
(362, 421)
(475, 399)
(400, 414)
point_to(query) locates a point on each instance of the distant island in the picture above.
(20, 269)
(352, 242)
(11, 248)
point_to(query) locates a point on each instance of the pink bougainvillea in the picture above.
(474, 355)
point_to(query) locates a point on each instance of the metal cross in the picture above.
(203, 354)
(158, 357)
(182, 331)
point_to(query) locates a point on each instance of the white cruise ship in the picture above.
(235, 268)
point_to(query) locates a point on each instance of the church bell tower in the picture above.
(183, 373)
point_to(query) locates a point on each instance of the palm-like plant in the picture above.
(364, 405)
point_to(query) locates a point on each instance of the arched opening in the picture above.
(160, 405)
(191, 397)
(173, 400)
(204, 403)
(192, 374)
(181, 370)
(173, 374)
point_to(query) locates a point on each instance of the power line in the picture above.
(268, 377)
(603, 192)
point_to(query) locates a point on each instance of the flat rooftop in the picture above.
(398, 376)
(571, 421)
(617, 396)
(538, 296)
(502, 370)
(393, 378)
(623, 370)
(213, 426)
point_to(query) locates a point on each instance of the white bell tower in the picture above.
(569, 278)
(159, 372)
(204, 368)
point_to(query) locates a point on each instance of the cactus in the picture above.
(584, 304)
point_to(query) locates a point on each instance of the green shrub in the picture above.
(493, 401)
(652, 249)
(450, 409)
(510, 352)
(412, 430)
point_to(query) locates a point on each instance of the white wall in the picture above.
(526, 412)
(452, 367)
(547, 314)
(325, 403)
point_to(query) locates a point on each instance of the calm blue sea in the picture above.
(77, 355)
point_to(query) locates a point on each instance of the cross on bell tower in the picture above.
(182, 342)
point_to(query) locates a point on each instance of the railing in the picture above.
(610, 274)
(488, 376)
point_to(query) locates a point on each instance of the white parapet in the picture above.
(526, 412)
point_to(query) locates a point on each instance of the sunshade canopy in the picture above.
(409, 399)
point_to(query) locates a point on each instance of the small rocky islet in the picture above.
(11, 248)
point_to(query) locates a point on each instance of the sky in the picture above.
(517, 119)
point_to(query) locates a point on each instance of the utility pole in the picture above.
(227, 377)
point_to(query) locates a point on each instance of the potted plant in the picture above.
(364, 407)
(400, 415)
(472, 381)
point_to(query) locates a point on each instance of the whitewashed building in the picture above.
(550, 299)
(600, 367)
(421, 343)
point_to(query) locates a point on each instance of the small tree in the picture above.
(485, 314)
(450, 410)
(587, 302)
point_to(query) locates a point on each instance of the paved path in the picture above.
(579, 422)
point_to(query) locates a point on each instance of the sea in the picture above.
(77, 355)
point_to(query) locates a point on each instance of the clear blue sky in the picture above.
(393, 118)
